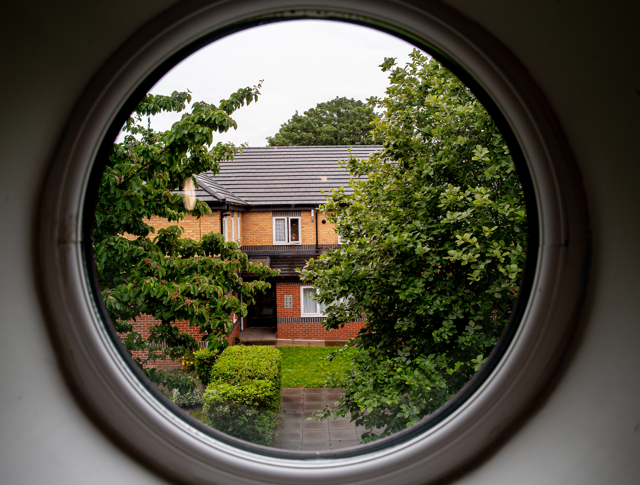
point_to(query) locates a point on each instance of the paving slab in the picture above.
(316, 436)
(291, 407)
(315, 390)
(290, 425)
(314, 425)
(296, 432)
(286, 435)
(292, 390)
(340, 423)
(343, 434)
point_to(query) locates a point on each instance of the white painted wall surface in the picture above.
(584, 55)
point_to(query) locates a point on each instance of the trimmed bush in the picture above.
(243, 397)
(242, 363)
(203, 361)
(186, 400)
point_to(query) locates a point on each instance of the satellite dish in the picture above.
(189, 194)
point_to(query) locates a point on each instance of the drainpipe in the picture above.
(316, 218)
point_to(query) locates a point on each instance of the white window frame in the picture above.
(287, 226)
(316, 313)
(233, 227)
(225, 229)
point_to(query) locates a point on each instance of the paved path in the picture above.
(296, 432)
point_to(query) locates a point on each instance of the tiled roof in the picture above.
(217, 192)
(264, 176)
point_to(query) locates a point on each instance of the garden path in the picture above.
(296, 432)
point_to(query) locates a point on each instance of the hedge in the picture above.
(243, 397)
(203, 361)
(242, 363)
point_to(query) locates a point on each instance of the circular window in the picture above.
(453, 435)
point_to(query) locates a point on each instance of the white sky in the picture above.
(302, 63)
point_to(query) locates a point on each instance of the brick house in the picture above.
(267, 199)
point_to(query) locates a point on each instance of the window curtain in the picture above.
(281, 233)
(308, 301)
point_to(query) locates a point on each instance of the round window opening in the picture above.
(312, 246)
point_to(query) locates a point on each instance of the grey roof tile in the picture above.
(274, 175)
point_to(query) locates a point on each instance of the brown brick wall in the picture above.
(326, 232)
(256, 228)
(193, 228)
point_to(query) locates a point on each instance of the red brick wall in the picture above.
(234, 333)
(142, 324)
(284, 289)
(306, 330)
(316, 331)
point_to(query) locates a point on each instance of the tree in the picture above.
(435, 233)
(340, 121)
(168, 277)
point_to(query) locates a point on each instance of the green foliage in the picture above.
(239, 364)
(312, 366)
(189, 399)
(241, 410)
(173, 382)
(166, 276)
(435, 235)
(204, 359)
(340, 121)
(243, 397)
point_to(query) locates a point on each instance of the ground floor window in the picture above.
(310, 306)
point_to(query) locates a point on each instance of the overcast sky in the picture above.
(301, 63)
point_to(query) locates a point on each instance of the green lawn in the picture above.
(309, 366)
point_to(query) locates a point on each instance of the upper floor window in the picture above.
(286, 230)
(231, 227)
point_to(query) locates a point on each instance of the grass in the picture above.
(309, 366)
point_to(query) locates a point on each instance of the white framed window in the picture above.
(309, 306)
(225, 229)
(233, 227)
(287, 230)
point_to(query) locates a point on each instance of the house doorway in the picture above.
(264, 312)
